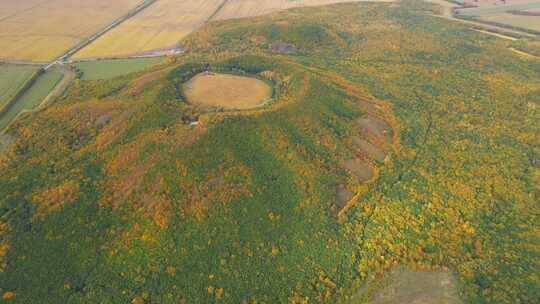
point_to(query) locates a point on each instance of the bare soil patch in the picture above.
(368, 149)
(359, 168)
(227, 91)
(343, 195)
(376, 128)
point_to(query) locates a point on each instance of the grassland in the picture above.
(43, 30)
(107, 69)
(162, 25)
(33, 97)
(12, 79)
(109, 195)
(227, 91)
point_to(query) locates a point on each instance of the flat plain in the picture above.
(159, 26)
(42, 30)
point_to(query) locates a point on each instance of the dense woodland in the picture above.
(110, 196)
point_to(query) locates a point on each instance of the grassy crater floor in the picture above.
(227, 91)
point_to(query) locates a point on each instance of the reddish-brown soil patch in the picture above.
(368, 149)
(343, 196)
(361, 169)
(375, 127)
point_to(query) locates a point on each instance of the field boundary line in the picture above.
(133, 12)
(218, 9)
(27, 85)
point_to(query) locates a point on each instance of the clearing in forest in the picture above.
(43, 30)
(227, 91)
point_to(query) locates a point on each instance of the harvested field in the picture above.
(161, 25)
(33, 97)
(368, 149)
(227, 91)
(43, 30)
(12, 79)
(361, 169)
(107, 69)
(521, 21)
(250, 8)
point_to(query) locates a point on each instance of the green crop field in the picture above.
(12, 79)
(110, 68)
(33, 97)
(122, 191)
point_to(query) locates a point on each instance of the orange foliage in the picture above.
(51, 200)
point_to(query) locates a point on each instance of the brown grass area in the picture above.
(227, 91)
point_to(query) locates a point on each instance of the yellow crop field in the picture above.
(159, 26)
(42, 30)
(251, 8)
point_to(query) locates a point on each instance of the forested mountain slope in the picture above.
(114, 194)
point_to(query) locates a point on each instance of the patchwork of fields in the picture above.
(42, 30)
(524, 14)
(166, 22)
(159, 26)
(33, 97)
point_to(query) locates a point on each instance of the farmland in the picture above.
(514, 20)
(513, 14)
(33, 97)
(162, 25)
(12, 79)
(250, 8)
(227, 91)
(42, 30)
(107, 69)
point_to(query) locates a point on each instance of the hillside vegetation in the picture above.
(110, 195)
